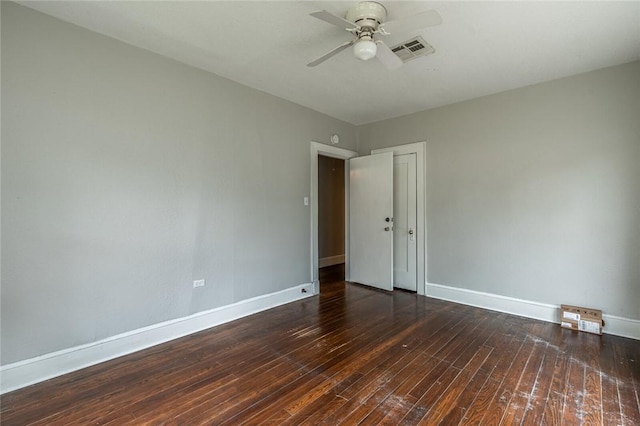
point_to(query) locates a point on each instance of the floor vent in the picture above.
(411, 49)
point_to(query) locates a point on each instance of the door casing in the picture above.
(342, 154)
(419, 148)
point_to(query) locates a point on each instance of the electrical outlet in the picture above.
(198, 283)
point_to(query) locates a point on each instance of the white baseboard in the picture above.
(618, 326)
(331, 260)
(24, 373)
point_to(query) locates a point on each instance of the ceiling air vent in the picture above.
(411, 49)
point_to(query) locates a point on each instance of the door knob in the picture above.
(410, 231)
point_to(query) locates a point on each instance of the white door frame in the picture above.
(342, 154)
(420, 149)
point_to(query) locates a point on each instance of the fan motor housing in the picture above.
(367, 14)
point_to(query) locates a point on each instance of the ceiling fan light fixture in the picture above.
(365, 49)
(368, 19)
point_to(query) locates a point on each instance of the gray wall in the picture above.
(534, 193)
(330, 207)
(127, 175)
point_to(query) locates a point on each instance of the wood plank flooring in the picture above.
(354, 356)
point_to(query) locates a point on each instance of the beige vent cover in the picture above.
(411, 49)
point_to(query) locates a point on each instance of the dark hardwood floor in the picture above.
(331, 274)
(354, 355)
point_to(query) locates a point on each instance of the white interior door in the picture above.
(371, 220)
(404, 210)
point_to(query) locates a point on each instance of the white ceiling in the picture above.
(481, 47)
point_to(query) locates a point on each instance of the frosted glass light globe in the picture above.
(365, 49)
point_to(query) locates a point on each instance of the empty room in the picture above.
(320, 212)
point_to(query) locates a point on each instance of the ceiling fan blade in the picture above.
(335, 20)
(332, 53)
(409, 24)
(387, 57)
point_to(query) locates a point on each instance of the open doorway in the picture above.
(331, 219)
(419, 232)
(318, 150)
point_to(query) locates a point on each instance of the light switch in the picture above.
(306, 201)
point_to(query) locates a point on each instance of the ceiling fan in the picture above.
(367, 21)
